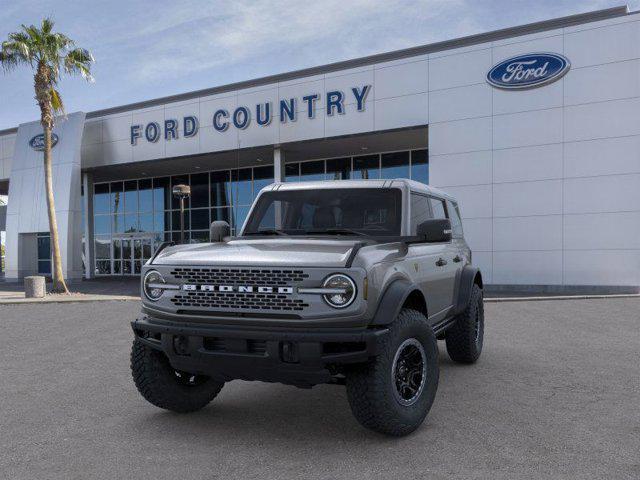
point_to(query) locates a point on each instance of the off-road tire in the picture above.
(464, 342)
(370, 387)
(160, 384)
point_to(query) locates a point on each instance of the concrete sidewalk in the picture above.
(95, 290)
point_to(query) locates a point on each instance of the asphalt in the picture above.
(555, 395)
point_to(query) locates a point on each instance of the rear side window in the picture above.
(437, 207)
(420, 211)
(456, 222)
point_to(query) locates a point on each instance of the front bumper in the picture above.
(286, 355)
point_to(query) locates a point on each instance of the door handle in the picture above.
(441, 262)
(457, 259)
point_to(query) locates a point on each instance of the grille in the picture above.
(238, 276)
(244, 301)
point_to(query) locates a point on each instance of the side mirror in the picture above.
(435, 230)
(219, 230)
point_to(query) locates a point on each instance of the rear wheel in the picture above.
(465, 338)
(165, 387)
(393, 393)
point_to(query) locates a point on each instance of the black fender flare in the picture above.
(467, 279)
(391, 301)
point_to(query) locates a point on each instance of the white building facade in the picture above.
(543, 157)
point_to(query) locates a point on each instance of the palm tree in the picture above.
(47, 53)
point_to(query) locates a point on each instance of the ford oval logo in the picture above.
(37, 142)
(528, 71)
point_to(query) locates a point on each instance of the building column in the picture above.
(278, 165)
(87, 206)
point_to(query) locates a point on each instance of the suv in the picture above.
(343, 282)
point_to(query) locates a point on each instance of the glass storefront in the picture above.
(132, 217)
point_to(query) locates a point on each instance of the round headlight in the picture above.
(151, 283)
(344, 290)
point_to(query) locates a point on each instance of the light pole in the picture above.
(181, 192)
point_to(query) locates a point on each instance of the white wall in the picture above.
(548, 178)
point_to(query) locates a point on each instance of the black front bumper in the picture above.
(298, 357)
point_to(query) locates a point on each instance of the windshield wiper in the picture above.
(269, 231)
(336, 231)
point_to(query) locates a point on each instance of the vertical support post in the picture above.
(87, 186)
(278, 177)
(278, 165)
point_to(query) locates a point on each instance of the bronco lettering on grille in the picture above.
(238, 289)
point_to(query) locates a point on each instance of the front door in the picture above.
(129, 252)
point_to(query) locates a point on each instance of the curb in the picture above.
(31, 301)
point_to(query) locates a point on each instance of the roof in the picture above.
(325, 184)
(501, 34)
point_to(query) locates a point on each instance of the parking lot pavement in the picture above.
(555, 395)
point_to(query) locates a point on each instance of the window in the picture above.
(438, 209)
(395, 165)
(44, 253)
(200, 190)
(220, 189)
(420, 166)
(420, 211)
(262, 176)
(339, 169)
(311, 171)
(375, 212)
(366, 167)
(456, 222)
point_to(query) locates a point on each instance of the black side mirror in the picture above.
(219, 230)
(435, 230)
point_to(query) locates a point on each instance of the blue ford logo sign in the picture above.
(528, 71)
(37, 142)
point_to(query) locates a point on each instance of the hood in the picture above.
(290, 252)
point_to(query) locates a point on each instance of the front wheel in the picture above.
(393, 393)
(164, 386)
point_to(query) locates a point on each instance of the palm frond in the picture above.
(56, 101)
(79, 60)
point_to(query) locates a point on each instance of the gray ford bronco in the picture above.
(342, 282)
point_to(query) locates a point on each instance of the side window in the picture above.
(456, 223)
(420, 211)
(437, 206)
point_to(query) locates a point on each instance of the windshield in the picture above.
(336, 211)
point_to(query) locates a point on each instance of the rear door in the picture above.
(448, 260)
(425, 258)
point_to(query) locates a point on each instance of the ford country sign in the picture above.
(528, 71)
(37, 142)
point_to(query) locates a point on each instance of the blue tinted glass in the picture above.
(146, 222)
(366, 167)
(420, 166)
(131, 196)
(44, 247)
(101, 198)
(339, 169)
(117, 223)
(160, 221)
(200, 219)
(117, 200)
(241, 215)
(242, 193)
(395, 165)
(220, 188)
(262, 176)
(223, 214)
(131, 222)
(161, 194)
(44, 266)
(102, 224)
(103, 247)
(175, 220)
(145, 195)
(292, 172)
(311, 171)
(200, 190)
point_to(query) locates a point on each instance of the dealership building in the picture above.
(535, 129)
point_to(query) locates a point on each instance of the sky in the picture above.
(149, 49)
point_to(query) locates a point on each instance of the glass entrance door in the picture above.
(129, 252)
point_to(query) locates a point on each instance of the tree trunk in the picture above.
(43, 96)
(59, 285)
